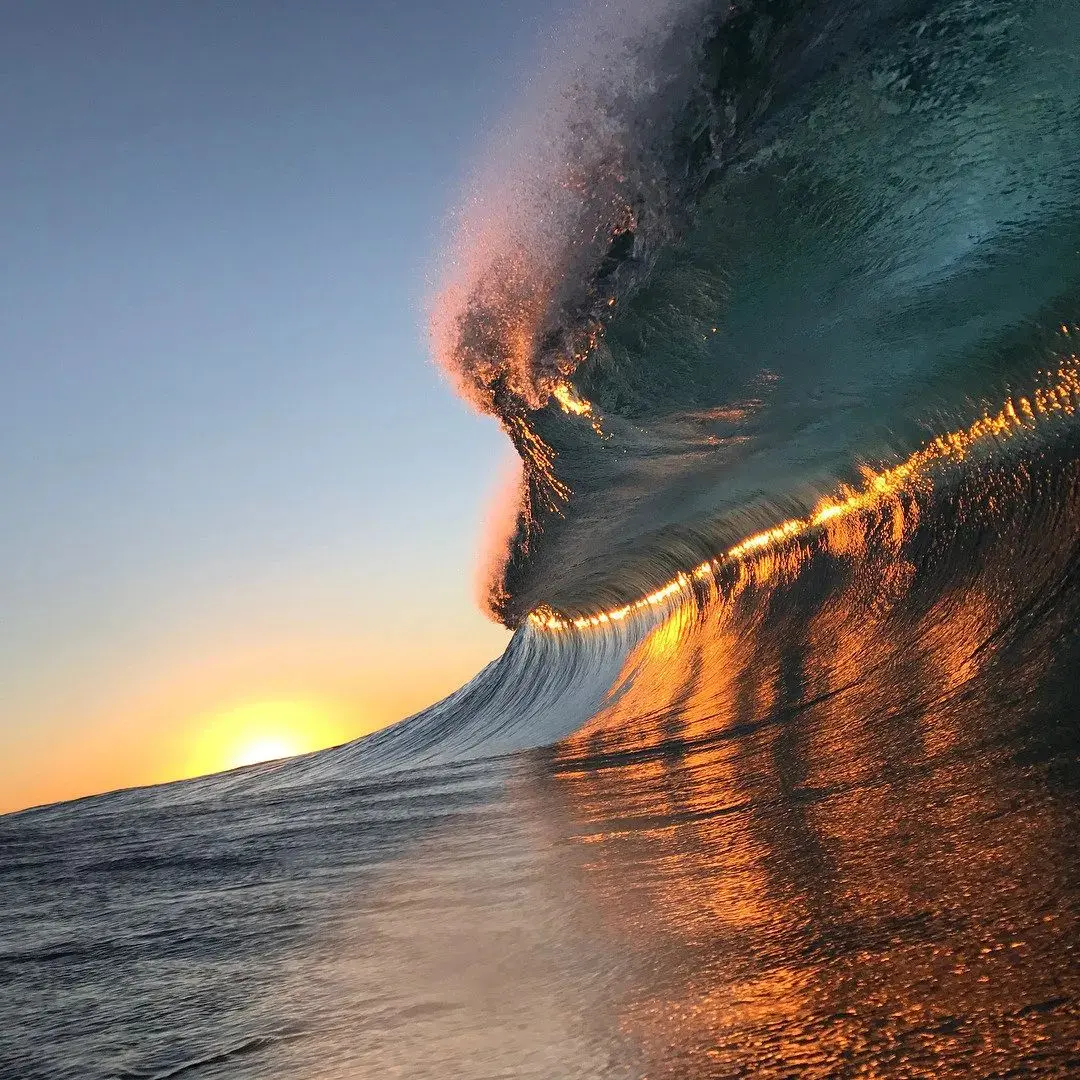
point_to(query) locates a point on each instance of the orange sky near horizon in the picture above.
(235, 484)
(218, 709)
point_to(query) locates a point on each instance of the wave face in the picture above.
(768, 244)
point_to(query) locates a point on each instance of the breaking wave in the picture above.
(778, 302)
(778, 775)
(749, 252)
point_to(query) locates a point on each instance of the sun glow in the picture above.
(266, 748)
(264, 731)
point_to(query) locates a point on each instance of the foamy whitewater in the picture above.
(779, 303)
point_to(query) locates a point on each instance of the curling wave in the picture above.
(764, 248)
(780, 773)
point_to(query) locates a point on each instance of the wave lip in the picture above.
(557, 225)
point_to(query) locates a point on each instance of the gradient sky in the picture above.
(231, 474)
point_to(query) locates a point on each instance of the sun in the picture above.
(266, 748)
(264, 731)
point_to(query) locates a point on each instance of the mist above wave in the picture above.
(579, 176)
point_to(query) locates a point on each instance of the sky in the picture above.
(239, 506)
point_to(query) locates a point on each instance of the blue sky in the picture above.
(221, 430)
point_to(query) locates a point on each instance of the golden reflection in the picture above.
(841, 514)
(810, 805)
(539, 459)
(573, 404)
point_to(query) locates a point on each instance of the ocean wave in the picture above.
(764, 246)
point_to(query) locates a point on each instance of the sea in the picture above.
(779, 775)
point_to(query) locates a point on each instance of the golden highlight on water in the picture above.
(1058, 395)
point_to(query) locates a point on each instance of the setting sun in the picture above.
(268, 748)
(265, 731)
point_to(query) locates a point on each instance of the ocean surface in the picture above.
(779, 775)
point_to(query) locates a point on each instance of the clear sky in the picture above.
(231, 478)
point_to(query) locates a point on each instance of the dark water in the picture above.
(815, 813)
